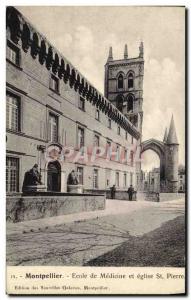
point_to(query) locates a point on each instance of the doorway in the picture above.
(54, 177)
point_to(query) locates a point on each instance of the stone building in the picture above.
(56, 117)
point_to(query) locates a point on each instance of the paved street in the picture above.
(78, 238)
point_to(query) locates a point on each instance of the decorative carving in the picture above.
(55, 65)
(35, 45)
(42, 53)
(26, 38)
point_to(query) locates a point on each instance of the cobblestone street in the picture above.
(78, 238)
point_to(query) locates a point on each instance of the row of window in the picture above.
(96, 143)
(12, 176)
(130, 81)
(13, 121)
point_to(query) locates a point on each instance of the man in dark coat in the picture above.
(130, 192)
(113, 190)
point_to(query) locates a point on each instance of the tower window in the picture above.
(130, 81)
(119, 102)
(120, 82)
(130, 100)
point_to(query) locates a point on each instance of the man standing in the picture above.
(130, 192)
(113, 190)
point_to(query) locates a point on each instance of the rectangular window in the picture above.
(117, 153)
(132, 140)
(125, 156)
(81, 104)
(80, 175)
(53, 128)
(124, 179)
(118, 130)
(54, 83)
(117, 179)
(126, 135)
(13, 53)
(12, 112)
(80, 137)
(108, 150)
(12, 174)
(97, 116)
(109, 123)
(95, 178)
(96, 140)
(132, 158)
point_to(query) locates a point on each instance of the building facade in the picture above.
(57, 119)
(181, 182)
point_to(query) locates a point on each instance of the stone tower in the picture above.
(171, 156)
(124, 84)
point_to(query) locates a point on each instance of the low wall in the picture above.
(162, 197)
(119, 194)
(24, 208)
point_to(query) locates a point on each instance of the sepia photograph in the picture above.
(95, 149)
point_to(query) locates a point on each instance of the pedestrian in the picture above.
(113, 190)
(130, 192)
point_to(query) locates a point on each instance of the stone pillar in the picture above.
(63, 182)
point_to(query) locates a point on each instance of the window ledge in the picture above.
(15, 65)
(56, 92)
(14, 131)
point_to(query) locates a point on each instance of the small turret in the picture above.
(172, 137)
(141, 50)
(110, 57)
(125, 52)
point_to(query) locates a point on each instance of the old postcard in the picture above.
(95, 150)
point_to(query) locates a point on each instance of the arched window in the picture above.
(130, 100)
(119, 102)
(130, 80)
(120, 82)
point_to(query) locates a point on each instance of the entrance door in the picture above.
(54, 177)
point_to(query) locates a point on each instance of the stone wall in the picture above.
(119, 195)
(26, 208)
(141, 196)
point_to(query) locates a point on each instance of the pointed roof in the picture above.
(165, 135)
(125, 52)
(110, 57)
(172, 138)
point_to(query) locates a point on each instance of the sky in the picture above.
(84, 35)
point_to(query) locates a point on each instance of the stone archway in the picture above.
(159, 148)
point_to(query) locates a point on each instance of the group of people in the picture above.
(130, 192)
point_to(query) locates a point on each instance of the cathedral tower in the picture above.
(124, 84)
